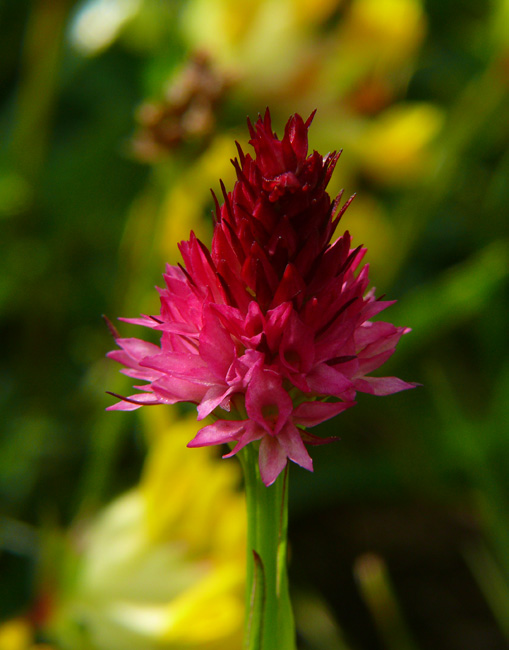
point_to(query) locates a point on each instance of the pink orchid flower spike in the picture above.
(270, 331)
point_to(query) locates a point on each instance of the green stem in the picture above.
(267, 524)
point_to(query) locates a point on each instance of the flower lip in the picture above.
(267, 402)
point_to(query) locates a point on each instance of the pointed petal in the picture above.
(297, 132)
(375, 333)
(212, 399)
(219, 432)
(253, 432)
(134, 402)
(325, 380)
(375, 307)
(382, 385)
(291, 287)
(296, 351)
(143, 320)
(272, 459)
(315, 441)
(276, 322)
(367, 365)
(178, 389)
(216, 346)
(185, 365)
(132, 368)
(291, 441)
(310, 414)
(137, 349)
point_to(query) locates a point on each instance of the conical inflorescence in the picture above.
(270, 331)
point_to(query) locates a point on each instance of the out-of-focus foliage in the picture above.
(118, 116)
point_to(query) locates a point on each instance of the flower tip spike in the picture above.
(216, 213)
(112, 329)
(227, 202)
(336, 202)
(307, 123)
(267, 120)
(251, 128)
(242, 155)
(342, 210)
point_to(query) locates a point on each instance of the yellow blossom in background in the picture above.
(375, 231)
(306, 52)
(17, 634)
(218, 509)
(184, 206)
(241, 33)
(367, 59)
(163, 565)
(268, 44)
(388, 29)
(395, 147)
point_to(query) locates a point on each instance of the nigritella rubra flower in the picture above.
(270, 331)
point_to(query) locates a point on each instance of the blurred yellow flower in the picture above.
(388, 29)
(395, 147)
(369, 54)
(232, 28)
(163, 565)
(218, 509)
(374, 230)
(17, 634)
(183, 208)
(266, 42)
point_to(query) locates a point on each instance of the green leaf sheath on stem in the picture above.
(269, 617)
(253, 638)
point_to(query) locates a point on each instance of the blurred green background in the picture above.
(117, 116)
